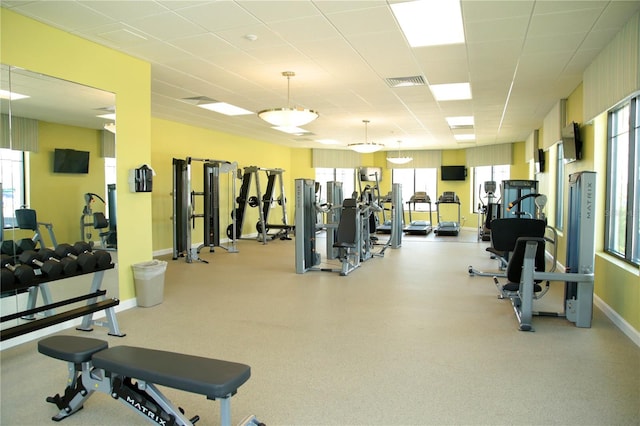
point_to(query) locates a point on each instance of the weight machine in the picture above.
(579, 275)
(184, 199)
(107, 228)
(265, 202)
(517, 190)
(349, 236)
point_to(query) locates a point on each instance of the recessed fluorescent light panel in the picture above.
(430, 22)
(225, 108)
(328, 141)
(464, 138)
(110, 116)
(460, 121)
(12, 96)
(451, 92)
(291, 130)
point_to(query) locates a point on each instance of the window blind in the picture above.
(615, 73)
(108, 148)
(335, 158)
(24, 133)
(490, 155)
(422, 159)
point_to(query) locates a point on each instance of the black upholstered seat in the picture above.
(211, 377)
(71, 348)
(346, 236)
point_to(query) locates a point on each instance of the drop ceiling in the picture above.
(520, 57)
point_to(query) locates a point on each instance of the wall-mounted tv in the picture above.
(70, 161)
(571, 142)
(453, 172)
(370, 174)
(540, 162)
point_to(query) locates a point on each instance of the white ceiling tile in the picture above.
(218, 15)
(166, 26)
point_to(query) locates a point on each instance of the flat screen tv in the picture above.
(70, 161)
(571, 142)
(453, 172)
(540, 163)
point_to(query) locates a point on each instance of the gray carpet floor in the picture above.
(407, 339)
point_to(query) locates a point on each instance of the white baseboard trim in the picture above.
(38, 334)
(620, 322)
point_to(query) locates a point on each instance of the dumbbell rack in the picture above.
(41, 285)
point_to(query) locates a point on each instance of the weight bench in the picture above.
(132, 375)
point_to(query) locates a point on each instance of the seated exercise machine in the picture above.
(349, 230)
(27, 219)
(487, 211)
(503, 239)
(419, 227)
(132, 375)
(448, 227)
(107, 228)
(525, 269)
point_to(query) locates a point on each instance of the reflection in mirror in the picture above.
(41, 115)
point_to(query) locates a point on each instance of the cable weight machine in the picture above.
(184, 200)
(265, 202)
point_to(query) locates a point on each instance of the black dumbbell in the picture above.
(85, 261)
(22, 273)
(103, 258)
(9, 247)
(26, 244)
(7, 279)
(69, 265)
(48, 267)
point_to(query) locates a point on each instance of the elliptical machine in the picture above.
(489, 211)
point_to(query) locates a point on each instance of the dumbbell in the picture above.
(6, 279)
(103, 258)
(48, 267)
(85, 261)
(69, 265)
(22, 273)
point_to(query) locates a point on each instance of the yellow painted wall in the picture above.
(58, 198)
(174, 140)
(37, 47)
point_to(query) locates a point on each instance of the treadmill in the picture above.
(385, 227)
(447, 228)
(419, 227)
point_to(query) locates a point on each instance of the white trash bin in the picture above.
(149, 280)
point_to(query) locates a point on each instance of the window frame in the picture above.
(426, 180)
(17, 168)
(560, 181)
(630, 252)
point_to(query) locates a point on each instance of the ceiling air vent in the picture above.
(416, 80)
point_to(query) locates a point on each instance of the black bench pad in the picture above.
(211, 377)
(71, 348)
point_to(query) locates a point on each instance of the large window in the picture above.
(12, 182)
(559, 214)
(346, 176)
(623, 183)
(482, 174)
(417, 180)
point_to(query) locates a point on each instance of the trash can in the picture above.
(149, 280)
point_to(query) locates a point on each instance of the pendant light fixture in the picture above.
(288, 116)
(399, 159)
(366, 147)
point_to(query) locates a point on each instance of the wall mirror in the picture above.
(68, 116)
